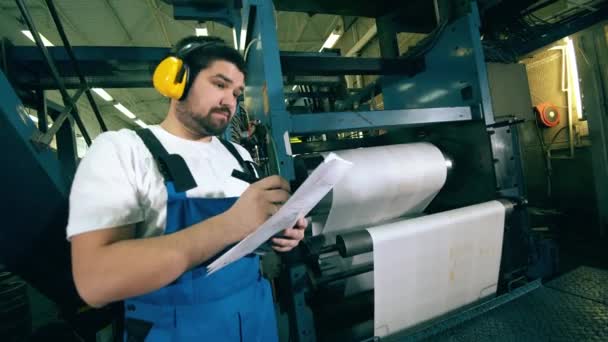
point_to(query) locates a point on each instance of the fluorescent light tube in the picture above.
(331, 41)
(125, 111)
(141, 123)
(201, 30)
(103, 94)
(29, 34)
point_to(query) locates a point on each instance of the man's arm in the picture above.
(110, 265)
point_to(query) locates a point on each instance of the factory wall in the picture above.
(568, 184)
(561, 182)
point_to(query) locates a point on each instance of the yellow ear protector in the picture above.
(172, 77)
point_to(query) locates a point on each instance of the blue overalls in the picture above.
(233, 304)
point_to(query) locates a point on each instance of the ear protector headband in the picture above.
(172, 75)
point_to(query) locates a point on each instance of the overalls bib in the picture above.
(233, 304)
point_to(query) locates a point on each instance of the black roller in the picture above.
(353, 271)
(354, 243)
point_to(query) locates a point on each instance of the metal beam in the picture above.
(41, 110)
(68, 47)
(46, 138)
(362, 42)
(66, 143)
(347, 121)
(51, 67)
(29, 54)
(328, 65)
(200, 12)
(129, 81)
(110, 67)
(133, 66)
(387, 36)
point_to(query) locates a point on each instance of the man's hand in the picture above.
(261, 200)
(291, 237)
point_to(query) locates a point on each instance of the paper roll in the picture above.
(427, 266)
(385, 183)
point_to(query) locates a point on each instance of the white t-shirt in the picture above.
(118, 182)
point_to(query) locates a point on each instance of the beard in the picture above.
(203, 125)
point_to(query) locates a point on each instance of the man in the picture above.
(138, 234)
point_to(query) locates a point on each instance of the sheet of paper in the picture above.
(430, 265)
(312, 190)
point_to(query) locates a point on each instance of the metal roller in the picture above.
(360, 242)
(354, 243)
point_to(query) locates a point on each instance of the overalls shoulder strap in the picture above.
(172, 166)
(250, 172)
(233, 151)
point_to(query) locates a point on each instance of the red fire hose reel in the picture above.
(547, 114)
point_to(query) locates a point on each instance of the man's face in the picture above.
(212, 99)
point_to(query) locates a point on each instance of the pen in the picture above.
(245, 177)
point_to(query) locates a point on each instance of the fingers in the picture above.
(290, 239)
(272, 208)
(282, 249)
(294, 234)
(273, 182)
(302, 223)
(284, 245)
(276, 196)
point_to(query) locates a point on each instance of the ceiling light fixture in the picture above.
(201, 30)
(235, 39)
(125, 111)
(243, 37)
(29, 34)
(573, 69)
(141, 123)
(331, 40)
(103, 94)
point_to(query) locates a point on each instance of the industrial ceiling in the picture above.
(150, 23)
(140, 23)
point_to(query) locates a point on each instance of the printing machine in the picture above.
(438, 92)
(449, 106)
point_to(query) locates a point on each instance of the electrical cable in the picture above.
(555, 137)
(246, 52)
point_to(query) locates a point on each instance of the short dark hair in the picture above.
(207, 50)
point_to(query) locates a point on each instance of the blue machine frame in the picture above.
(453, 88)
